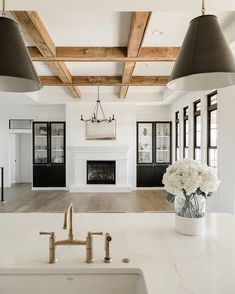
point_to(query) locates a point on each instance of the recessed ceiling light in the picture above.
(157, 32)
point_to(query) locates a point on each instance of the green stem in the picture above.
(191, 207)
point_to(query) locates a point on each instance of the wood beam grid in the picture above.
(34, 27)
(106, 81)
(138, 28)
(106, 54)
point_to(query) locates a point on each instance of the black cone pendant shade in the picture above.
(205, 60)
(17, 73)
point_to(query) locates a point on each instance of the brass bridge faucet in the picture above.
(70, 241)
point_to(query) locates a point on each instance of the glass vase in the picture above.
(190, 214)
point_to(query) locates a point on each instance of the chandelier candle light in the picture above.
(189, 184)
(94, 118)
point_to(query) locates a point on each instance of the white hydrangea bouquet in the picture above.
(188, 181)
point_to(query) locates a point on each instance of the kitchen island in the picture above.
(170, 262)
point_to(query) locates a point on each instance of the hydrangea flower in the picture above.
(188, 176)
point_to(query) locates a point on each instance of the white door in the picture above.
(25, 158)
(12, 140)
(21, 158)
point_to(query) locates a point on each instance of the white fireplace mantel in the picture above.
(81, 154)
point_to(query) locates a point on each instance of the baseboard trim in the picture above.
(150, 188)
(49, 188)
(100, 189)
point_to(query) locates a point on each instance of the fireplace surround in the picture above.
(77, 174)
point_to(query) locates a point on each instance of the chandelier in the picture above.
(95, 118)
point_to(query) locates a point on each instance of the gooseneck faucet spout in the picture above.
(69, 213)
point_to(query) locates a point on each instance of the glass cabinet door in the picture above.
(40, 143)
(163, 143)
(57, 143)
(145, 143)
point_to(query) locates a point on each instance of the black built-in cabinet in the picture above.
(49, 154)
(154, 152)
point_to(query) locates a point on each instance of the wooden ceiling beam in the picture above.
(106, 81)
(108, 54)
(139, 23)
(34, 27)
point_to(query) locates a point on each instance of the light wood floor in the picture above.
(20, 198)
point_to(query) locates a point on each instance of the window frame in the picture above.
(185, 121)
(210, 108)
(196, 113)
(177, 139)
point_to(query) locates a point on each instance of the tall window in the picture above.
(186, 132)
(212, 130)
(177, 136)
(197, 130)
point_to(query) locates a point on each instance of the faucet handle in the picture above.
(108, 237)
(96, 233)
(52, 234)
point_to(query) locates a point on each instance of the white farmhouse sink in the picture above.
(76, 281)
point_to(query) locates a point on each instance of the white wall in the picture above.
(224, 200)
(226, 147)
(152, 113)
(125, 114)
(36, 112)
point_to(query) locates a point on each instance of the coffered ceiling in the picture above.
(138, 46)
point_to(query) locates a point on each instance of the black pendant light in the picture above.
(17, 73)
(205, 59)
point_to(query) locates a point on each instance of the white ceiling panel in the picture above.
(153, 68)
(173, 26)
(43, 69)
(79, 28)
(95, 68)
(119, 5)
(145, 89)
(103, 90)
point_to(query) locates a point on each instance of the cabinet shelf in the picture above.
(145, 151)
(40, 150)
(58, 150)
(153, 161)
(160, 150)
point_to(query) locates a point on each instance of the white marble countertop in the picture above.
(171, 263)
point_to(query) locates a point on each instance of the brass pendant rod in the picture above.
(3, 7)
(203, 7)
